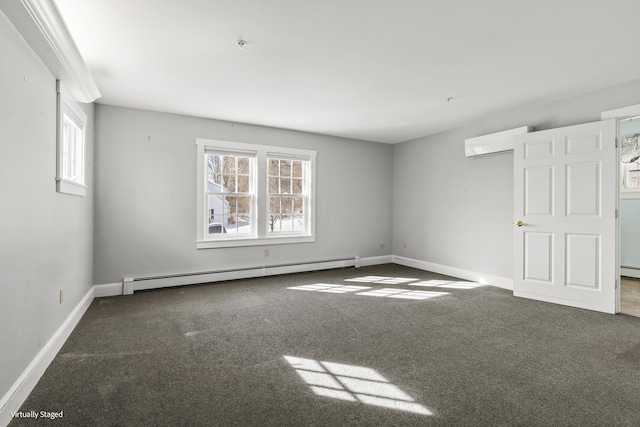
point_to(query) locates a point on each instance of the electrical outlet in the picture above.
(266, 252)
(61, 296)
(404, 244)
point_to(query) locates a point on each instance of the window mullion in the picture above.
(261, 179)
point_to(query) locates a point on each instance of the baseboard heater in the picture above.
(132, 284)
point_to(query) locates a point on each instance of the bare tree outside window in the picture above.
(286, 188)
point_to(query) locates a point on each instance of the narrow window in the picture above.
(70, 176)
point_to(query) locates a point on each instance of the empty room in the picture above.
(292, 213)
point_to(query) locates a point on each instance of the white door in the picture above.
(565, 197)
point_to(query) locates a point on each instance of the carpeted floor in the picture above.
(253, 352)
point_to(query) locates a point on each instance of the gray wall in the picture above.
(46, 238)
(458, 211)
(146, 198)
(630, 233)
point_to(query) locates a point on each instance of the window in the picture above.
(253, 195)
(287, 192)
(230, 194)
(631, 176)
(630, 157)
(70, 170)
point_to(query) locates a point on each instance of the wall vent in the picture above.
(493, 143)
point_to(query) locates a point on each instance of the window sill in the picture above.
(69, 187)
(233, 243)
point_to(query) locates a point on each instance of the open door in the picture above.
(565, 198)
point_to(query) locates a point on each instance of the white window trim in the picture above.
(260, 236)
(621, 114)
(67, 105)
(307, 171)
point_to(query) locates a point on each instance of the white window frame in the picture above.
(306, 189)
(260, 236)
(621, 114)
(69, 110)
(251, 154)
(627, 192)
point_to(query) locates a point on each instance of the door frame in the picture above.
(619, 114)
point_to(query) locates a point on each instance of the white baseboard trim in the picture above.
(498, 281)
(18, 393)
(130, 285)
(107, 290)
(629, 272)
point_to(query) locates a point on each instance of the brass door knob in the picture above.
(519, 223)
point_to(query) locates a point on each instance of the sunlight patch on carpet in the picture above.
(385, 292)
(449, 284)
(325, 287)
(403, 294)
(355, 384)
(382, 280)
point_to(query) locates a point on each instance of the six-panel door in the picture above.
(565, 196)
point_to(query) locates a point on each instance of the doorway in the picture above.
(629, 134)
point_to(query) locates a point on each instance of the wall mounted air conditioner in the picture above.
(493, 142)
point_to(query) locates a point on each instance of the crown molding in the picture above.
(40, 24)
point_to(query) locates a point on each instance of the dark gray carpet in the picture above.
(214, 355)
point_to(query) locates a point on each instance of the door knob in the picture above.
(519, 223)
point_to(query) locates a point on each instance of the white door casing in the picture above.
(565, 196)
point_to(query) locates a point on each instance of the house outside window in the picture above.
(630, 159)
(254, 194)
(632, 176)
(230, 196)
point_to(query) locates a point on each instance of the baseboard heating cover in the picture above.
(132, 284)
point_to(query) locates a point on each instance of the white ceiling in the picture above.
(377, 70)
